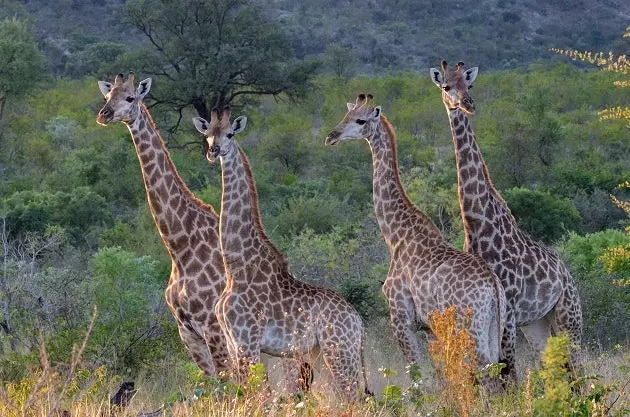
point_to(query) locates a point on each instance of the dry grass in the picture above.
(179, 384)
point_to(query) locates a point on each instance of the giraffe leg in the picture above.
(243, 333)
(508, 347)
(566, 317)
(217, 343)
(402, 318)
(343, 359)
(486, 331)
(198, 349)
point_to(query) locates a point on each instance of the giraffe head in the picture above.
(220, 133)
(360, 121)
(122, 100)
(455, 85)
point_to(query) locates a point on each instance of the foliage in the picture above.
(604, 306)
(542, 215)
(223, 52)
(453, 352)
(21, 63)
(618, 64)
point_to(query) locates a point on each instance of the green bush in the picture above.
(604, 305)
(542, 215)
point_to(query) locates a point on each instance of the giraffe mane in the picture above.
(256, 212)
(199, 203)
(391, 137)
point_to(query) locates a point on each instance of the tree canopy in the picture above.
(211, 53)
(21, 63)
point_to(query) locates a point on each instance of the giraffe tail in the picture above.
(365, 381)
(501, 312)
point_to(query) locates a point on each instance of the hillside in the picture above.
(377, 36)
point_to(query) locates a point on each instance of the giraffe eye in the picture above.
(129, 99)
(360, 121)
(470, 86)
(446, 88)
(229, 135)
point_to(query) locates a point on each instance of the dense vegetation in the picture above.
(354, 35)
(75, 230)
(77, 184)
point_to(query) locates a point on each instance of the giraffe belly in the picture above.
(281, 340)
(532, 304)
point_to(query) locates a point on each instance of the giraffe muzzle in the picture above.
(468, 106)
(213, 153)
(105, 116)
(332, 138)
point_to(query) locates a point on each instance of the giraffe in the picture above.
(541, 294)
(263, 307)
(189, 229)
(425, 273)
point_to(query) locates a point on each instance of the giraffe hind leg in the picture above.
(344, 362)
(566, 317)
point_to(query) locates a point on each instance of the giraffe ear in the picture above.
(143, 88)
(201, 124)
(470, 75)
(350, 106)
(238, 125)
(436, 77)
(376, 113)
(105, 87)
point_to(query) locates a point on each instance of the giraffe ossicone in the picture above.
(541, 294)
(263, 307)
(425, 274)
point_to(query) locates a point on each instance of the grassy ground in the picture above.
(179, 384)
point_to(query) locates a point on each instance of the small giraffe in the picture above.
(541, 294)
(425, 273)
(263, 307)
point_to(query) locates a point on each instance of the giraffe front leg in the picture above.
(197, 348)
(243, 332)
(402, 318)
(217, 344)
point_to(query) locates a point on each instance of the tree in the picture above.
(211, 53)
(619, 64)
(340, 60)
(544, 216)
(21, 63)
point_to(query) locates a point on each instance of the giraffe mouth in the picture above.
(104, 119)
(467, 108)
(331, 140)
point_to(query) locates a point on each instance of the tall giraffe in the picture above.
(541, 294)
(188, 227)
(263, 307)
(425, 273)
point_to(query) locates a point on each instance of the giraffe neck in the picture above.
(479, 201)
(242, 233)
(170, 201)
(397, 216)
